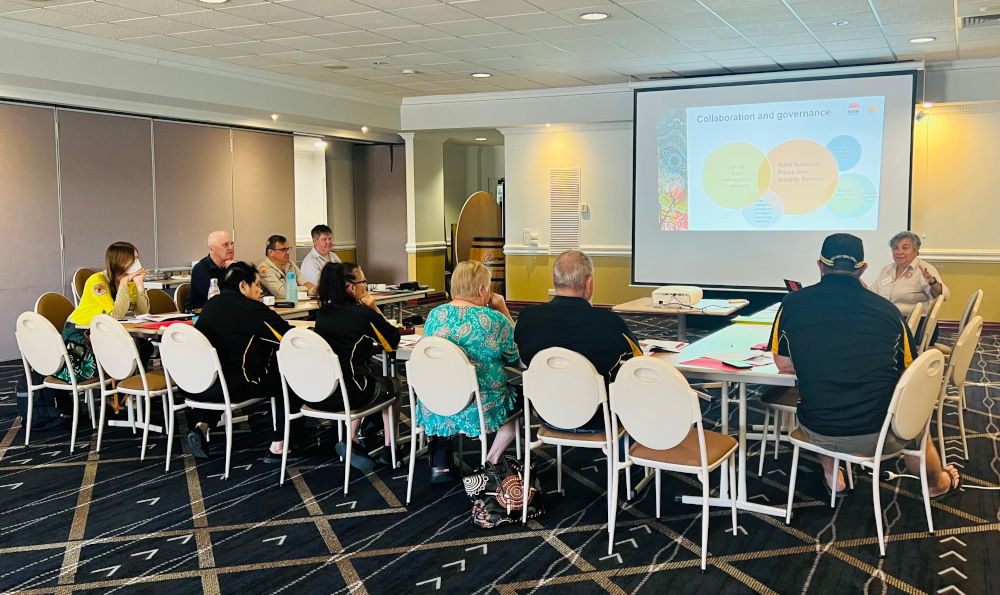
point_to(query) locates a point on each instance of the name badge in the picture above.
(886, 281)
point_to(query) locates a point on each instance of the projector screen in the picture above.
(735, 186)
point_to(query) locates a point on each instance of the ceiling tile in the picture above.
(966, 35)
(684, 21)
(527, 22)
(513, 83)
(393, 4)
(856, 44)
(861, 19)
(162, 42)
(305, 43)
(100, 11)
(555, 34)
(505, 64)
(266, 13)
(211, 19)
(593, 43)
(498, 40)
(680, 9)
(556, 5)
(436, 13)
(791, 50)
(447, 44)
(847, 33)
(457, 67)
(818, 59)
(260, 32)
(351, 53)
(479, 54)
(8, 6)
(109, 31)
(872, 54)
(160, 25)
(615, 14)
(397, 49)
(355, 38)
(622, 27)
(373, 20)
(652, 38)
(255, 48)
(940, 11)
(326, 8)
(210, 51)
(719, 55)
(295, 69)
(792, 39)
(210, 37)
(747, 5)
(540, 50)
(609, 54)
(496, 8)
(760, 14)
(677, 59)
(253, 61)
(411, 33)
(50, 18)
(744, 63)
(627, 64)
(314, 26)
(661, 49)
(157, 7)
(919, 28)
(773, 28)
(702, 33)
(834, 10)
(711, 45)
(470, 27)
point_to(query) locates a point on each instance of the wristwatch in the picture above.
(933, 282)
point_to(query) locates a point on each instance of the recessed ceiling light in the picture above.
(928, 105)
(379, 63)
(594, 16)
(364, 129)
(481, 139)
(214, 1)
(274, 117)
(320, 144)
(922, 39)
(335, 66)
(409, 71)
(840, 23)
(547, 125)
(481, 75)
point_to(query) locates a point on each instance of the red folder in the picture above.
(159, 325)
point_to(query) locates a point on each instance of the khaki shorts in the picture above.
(863, 445)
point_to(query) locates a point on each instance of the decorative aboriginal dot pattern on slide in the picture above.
(108, 523)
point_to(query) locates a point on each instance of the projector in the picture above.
(677, 295)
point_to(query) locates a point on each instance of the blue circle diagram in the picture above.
(761, 214)
(846, 150)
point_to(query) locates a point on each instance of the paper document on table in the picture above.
(161, 317)
(659, 346)
(409, 340)
(738, 356)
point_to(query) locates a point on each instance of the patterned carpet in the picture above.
(108, 523)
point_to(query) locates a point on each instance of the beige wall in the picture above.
(380, 192)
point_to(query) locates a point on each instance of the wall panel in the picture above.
(380, 195)
(194, 190)
(107, 187)
(263, 190)
(30, 222)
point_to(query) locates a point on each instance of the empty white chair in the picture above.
(783, 402)
(662, 414)
(441, 378)
(312, 370)
(908, 417)
(566, 391)
(954, 376)
(913, 320)
(118, 359)
(930, 325)
(970, 312)
(43, 350)
(191, 364)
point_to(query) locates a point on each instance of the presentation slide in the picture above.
(746, 180)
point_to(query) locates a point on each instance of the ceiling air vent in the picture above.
(982, 21)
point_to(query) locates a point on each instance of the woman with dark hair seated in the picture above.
(246, 334)
(352, 324)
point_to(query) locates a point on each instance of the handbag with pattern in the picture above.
(498, 493)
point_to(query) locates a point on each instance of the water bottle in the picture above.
(291, 288)
(213, 289)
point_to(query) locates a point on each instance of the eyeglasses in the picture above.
(363, 281)
(285, 250)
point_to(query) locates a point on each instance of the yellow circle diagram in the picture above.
(804, 174)
(736, 175)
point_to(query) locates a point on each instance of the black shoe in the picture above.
(385, 457)
(441, 475)
(359, 458)
(198, 445)
(272, 458)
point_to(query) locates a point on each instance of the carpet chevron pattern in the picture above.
(88, 522)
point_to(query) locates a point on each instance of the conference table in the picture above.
(392, 299)
(731, 339)
(705, 307)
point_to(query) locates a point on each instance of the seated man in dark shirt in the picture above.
(848, 347)
(213, 266)
(570, 321)
(246, 334)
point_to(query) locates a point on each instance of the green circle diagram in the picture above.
(736, 175)
(854, 196)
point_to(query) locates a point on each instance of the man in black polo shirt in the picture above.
(849, 347)
(570, 321)
(213, 266)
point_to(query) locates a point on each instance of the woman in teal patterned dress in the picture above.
(478, 321)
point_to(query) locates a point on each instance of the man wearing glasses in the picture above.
(277, 265)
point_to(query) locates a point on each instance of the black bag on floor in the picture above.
(45, 415)
(496, 492)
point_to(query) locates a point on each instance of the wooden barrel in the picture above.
(489, 251)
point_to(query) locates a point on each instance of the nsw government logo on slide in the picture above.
(854, 109)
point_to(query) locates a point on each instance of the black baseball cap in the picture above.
(843, 251)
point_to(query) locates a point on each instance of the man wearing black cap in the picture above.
(850, 347)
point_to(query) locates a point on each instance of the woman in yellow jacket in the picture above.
(113, 291)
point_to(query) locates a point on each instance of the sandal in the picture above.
(956, 483)
(829, 491)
